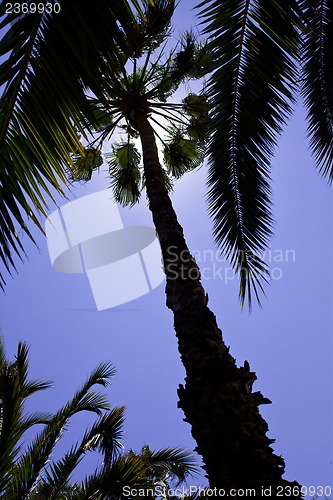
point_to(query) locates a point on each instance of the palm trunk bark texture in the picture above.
(216, 399)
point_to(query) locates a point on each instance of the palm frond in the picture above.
(174, 464)
(188, 60)
(192, 59)
(27, 387)
(50, 61)
(181, 154)
(126, 470)
(255, 45)
(36, 476)
(32, 419)
(84, 165)
(196, 105)
(124, 160)
(104, 436)
(153, 27)
(99, 376)
(317, 82)
(56, 478)
(28, 468)
(159, 77)
(14, 389)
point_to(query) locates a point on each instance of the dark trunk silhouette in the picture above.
(217, 400)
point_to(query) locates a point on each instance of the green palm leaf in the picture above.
(56, 479)
(152, 28)
(29, 466)
(34, 475)
(124, 160)
(105, 435)
(172, 464)
(317, 82)
(192, 59)
(255, 45)
(85, 163)
(126, 470)
(50, 62)
(14, 389)
(181, 154)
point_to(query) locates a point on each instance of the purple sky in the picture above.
(288, 342)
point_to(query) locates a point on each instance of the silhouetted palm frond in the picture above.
(317, 82)
(50, 58)
(255, 46)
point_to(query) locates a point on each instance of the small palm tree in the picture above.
(31, 474)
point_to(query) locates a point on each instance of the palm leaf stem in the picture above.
(147, 77)
(159, 124)
(167, 115)
(234, 114)
(142, 80)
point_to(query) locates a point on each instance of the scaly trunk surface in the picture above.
(217, 400)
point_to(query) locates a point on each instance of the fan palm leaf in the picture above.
(181, 154)
(147, 86)
(124, 160)
(153, 28)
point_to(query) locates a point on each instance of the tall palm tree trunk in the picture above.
(217, 399)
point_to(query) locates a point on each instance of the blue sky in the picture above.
(288, 342)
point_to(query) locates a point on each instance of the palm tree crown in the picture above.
(144, 81)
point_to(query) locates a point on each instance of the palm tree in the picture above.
(31, 474)
(217, 398)
(265, 53)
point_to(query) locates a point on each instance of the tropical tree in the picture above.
(28, 472)
(217, 398)
(266, 55)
